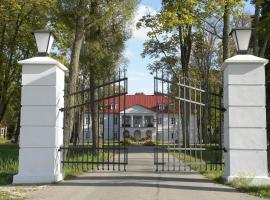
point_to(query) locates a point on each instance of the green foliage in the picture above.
(19, 19)
(204, 157)
(8, 162)
(73, 170)
(149, 143)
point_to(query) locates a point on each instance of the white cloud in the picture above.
(128, 54)
(141, 34)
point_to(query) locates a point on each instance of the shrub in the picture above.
(149, 143)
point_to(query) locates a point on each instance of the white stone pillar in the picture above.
(41, 133)
(245, 119)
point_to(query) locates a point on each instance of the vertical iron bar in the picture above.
(113, 121)
(185, 124)
(125, 90)
(108, 127)
(180, 131)
(103, 126)
(189, 123)
(119, 116)
(162, 105)
(168, 119)
(98, 124)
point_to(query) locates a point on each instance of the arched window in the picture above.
(137, 134)
(148, 134)
(126, 134)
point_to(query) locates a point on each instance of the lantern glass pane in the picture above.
(235, 40)
(243, 37)
(50, 43)
(42, 41)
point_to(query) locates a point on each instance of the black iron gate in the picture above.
(93, 135)
(189, 134)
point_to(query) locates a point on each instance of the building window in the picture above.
(115, 120)
(171, 107)
(116, 135)
(126, 134)
(126, 121)
(159, 120)
(101, 120)
(161, 106)
(172, 120)
(87, 120)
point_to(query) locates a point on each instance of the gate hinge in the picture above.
(225, 150)
(223, 109)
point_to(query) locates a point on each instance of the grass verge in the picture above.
(9, 155)
(8, 162)
(9, 196)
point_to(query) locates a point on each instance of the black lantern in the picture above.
(44, 41)
(241, 37)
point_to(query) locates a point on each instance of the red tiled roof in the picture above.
(150, 102)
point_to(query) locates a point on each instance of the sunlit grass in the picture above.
(9, 156)
(8, 161)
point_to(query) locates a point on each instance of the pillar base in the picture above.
(25, 179)
(257, 180)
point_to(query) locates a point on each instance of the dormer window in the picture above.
(114, 106)
(161, 106)
(171, 106)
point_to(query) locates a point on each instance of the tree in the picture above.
(102, 53)
(171, 37)
(18, 19)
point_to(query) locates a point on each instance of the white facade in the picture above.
(3, 131)
(141, 123)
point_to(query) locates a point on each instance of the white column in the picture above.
(131, 121)
(41, 133)
(245, 119)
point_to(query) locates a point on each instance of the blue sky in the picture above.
(139, 78)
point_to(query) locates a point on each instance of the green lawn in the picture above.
(9, 154)
(8, 162)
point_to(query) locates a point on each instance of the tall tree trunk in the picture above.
(226, 31)
(264, 46)
(255, 37)
(3, 106)
(185, 46)
(73, 75)
(94, 111)
(205, 114)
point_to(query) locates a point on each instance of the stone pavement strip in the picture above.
(140, 182)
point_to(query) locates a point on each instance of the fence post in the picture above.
(245, 120)
(41, 133)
